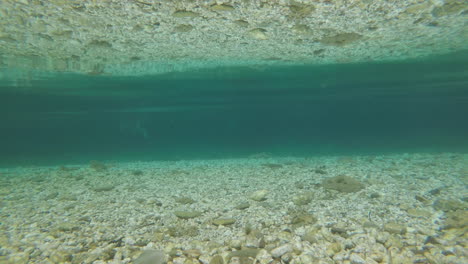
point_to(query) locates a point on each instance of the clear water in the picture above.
(405, 106)
(337, 163)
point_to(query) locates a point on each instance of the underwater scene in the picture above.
(234, 132)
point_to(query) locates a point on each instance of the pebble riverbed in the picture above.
(405, 208)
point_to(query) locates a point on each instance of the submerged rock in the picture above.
(419, 213)
(185, 200)
(447, 205)
(258, 33)
(224, 221)
(222, 7)
(395, 228)
(342, 183)
(181, 230)
(104, 188)
(303, 199)
(243, 253)
(187, 214)
(183, 28)
(341, 39)
(449, 7)
(151, 257)
(302, 219)
(299, 10)
(281, 250)
(457, 219)
(242, 206)
(259, 195)
(218, 259)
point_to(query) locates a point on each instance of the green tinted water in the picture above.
(409, 106)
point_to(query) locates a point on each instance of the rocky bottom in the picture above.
(407, 208)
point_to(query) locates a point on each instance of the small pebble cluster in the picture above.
(407, 208)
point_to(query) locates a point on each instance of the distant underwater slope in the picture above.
(133, 38)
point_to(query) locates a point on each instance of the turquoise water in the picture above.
(234, 150)
(405, 106)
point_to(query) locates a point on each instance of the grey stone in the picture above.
(281, 250)
(395, 228)
(187, 214)
(151, 257)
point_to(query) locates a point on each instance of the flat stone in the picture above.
(241, 23)
(222, 7)
(218, 259)
(242, 206)
(419, 213)
(335, 247)
(183, 28)
(342, 183)
(456, 219)
(51, 195)
(224, 221)
(448, 205)
(395, 228)
(340, 39)
(104, 188)
(302, 29)
(302, 219)
(187, 214)
(151, 257)
(303, 199)
(259, 195)
(192, 253)
(449, 7)
(258, 33)
(281, 250)
(67, 227)
(185, 200)
(300, 10)
(243, 253)
(422, 199)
